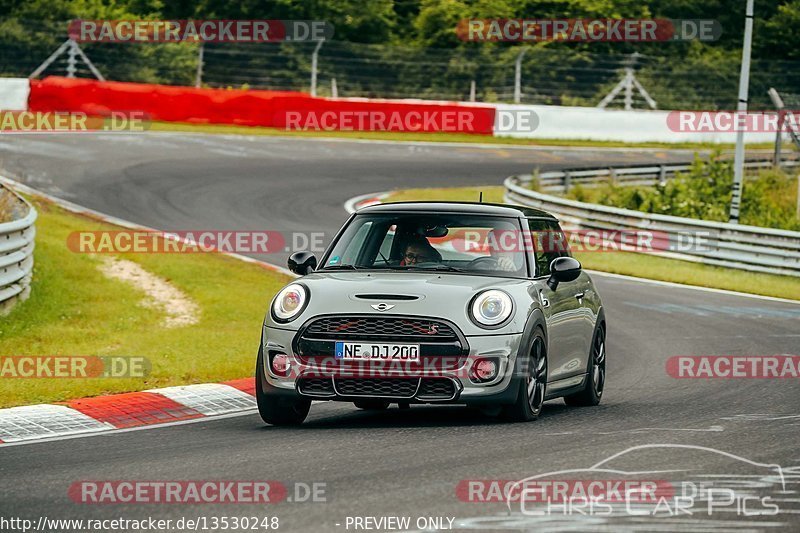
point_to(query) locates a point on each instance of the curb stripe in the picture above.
(246, 385)
(126, 411)
(133, 409)
(209, 398)
(46, 420)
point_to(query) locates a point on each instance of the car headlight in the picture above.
(491, 308)
(289, 303)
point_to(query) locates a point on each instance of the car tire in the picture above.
(372, 405)
(596, 376)
(532, 387)
(278, 410)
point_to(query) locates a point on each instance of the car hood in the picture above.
(431, 294)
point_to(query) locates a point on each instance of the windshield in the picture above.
(438, 242)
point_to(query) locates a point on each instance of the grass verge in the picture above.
(433, 137)
(75, 310)
(635, 264)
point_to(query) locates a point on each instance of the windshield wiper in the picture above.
(442, 268)
(341, 267)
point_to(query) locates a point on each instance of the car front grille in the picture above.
(388, 328)
(436, 389)
(442, 345)
(315, 386)
(385, 387)
(422, 388)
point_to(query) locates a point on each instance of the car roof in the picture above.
(475, 208)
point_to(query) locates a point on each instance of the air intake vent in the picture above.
(404, 297)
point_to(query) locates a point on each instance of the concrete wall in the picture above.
(584, 123)
(14, 94)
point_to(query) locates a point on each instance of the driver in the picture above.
(419, 250)
(505, 260)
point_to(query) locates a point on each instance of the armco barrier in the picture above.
(16, 252)
(729, 245)
(250, 108)
(561, 181)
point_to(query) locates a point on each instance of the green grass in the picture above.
(75, 310)
(432, 137)
(635, 264)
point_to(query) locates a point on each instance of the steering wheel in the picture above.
(483, 263)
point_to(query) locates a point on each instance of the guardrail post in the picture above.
(567, 181)
(612, 172)
(662, 175)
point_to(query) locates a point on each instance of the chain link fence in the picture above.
(551, 73)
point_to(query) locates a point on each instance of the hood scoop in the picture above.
(383, 297)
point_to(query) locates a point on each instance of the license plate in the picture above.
(359, 351)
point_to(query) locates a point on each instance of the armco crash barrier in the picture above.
(256, 108)
(16, 251)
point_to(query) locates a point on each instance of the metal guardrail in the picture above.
(561, 181)
(16, 253)
(737, 246)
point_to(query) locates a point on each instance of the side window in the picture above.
(549, 243)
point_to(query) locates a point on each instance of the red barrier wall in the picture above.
(256, 108)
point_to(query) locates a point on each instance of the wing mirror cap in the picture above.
(302, 263)
(563, 269)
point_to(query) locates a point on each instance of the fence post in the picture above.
(472, 91)
(314, 68)
(518, 76)
(198, 79)
(334, 89)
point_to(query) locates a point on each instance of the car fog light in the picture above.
(281, 364)
(484, 370)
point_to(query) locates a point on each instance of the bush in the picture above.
(704, 192)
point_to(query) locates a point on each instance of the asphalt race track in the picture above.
(409, 463)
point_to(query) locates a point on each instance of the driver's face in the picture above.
(416, 254)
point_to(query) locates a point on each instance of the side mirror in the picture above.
(302, 263)
(563, 269)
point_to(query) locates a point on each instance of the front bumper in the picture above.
(334, 381)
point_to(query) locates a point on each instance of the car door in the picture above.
(567, 350)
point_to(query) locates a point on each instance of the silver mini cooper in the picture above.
(474, 304)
